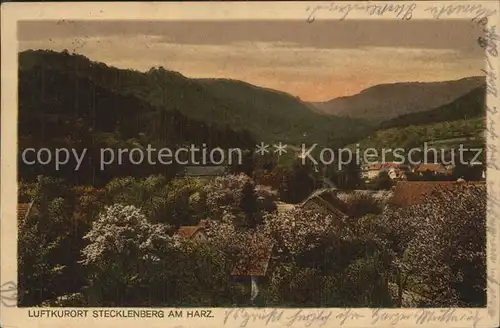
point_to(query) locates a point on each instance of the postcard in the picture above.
(250, 164)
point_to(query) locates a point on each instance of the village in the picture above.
(401, 172)
(260, 253)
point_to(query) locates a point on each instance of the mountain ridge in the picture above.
(470, 105)
(269, 115)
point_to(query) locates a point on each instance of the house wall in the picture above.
(244, 284)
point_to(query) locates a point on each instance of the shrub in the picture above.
(123, 251)
(440, 246)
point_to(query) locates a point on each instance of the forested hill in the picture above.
(268, 115)
(469, 132)
(460, 121)
(278, 115)
(59, 108)
(470, 105)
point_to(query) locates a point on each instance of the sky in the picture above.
(316, 62)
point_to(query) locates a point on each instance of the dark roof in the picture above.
(256, 262)
(407, 193)
(23, 210)
(328, 199)
(439, 168)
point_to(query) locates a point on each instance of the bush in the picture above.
(449, 247)
(440, 246)
(49, 242)
(293, 286)
(133, 262)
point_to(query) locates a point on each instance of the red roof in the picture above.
(374, 167)
(189, 231)
(390, 165)
(439, 168)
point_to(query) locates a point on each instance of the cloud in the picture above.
(432, 34)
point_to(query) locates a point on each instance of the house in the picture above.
(396, 171)
(449, 169)
(370, 171)
(431, 168)
(408, 193)
(196, 233)
(397, 174)
(325, 201)
(256, 264)
(253, 263)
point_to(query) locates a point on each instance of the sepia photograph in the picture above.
(303, 163)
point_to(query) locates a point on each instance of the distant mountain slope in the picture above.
(387, 101)
(269, 115)
(462, 121)
(60, 109)
(468, 106)
(469, 132)
(277, 115)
